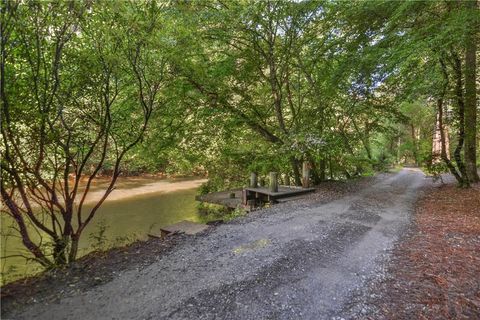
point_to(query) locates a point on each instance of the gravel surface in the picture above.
(304, 260)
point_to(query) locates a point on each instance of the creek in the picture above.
(137, 207)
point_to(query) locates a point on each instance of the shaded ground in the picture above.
(435, 272)
(298, 260)
(90, 271)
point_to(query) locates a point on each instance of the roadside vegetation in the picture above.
(221, 89)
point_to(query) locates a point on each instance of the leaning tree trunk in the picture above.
(457, 154)
(443, 138)
(443, 148)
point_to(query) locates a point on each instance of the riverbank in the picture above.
(99, 268)
(137, 207)
(130, 187)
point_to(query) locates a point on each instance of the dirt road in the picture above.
(305, 262)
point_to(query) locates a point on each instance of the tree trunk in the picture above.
(443, 149)
(314, 170)
(296, 172)
(331, 168)
(59, 252)
(364, 139)
(323, 166)
(414, 142)
(399, 143)
(72, 255)
(471, 99)
(457, 154)
(437, 138)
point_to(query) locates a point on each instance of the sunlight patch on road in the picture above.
(255, 245)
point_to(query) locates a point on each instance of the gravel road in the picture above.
(311, 261)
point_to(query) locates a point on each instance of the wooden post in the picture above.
(273, 182)
(306, 174)
(250, 204)
(253, 180)
(323, 165)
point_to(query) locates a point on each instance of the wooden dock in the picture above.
(261, 195)
(252, 197)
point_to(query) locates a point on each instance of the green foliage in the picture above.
(98, 238)
(209, 212)
(77, 95)
(436, 169)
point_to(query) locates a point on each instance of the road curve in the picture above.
(306, 263)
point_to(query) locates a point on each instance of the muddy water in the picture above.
(137, 207)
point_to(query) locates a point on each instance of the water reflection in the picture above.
(137, 207)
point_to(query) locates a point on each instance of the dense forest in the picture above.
(224, 88)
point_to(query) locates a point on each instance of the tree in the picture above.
(277, 69)
(76, 94)
(470, 89)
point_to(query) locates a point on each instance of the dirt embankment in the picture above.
(435, 272)
(126, 189)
